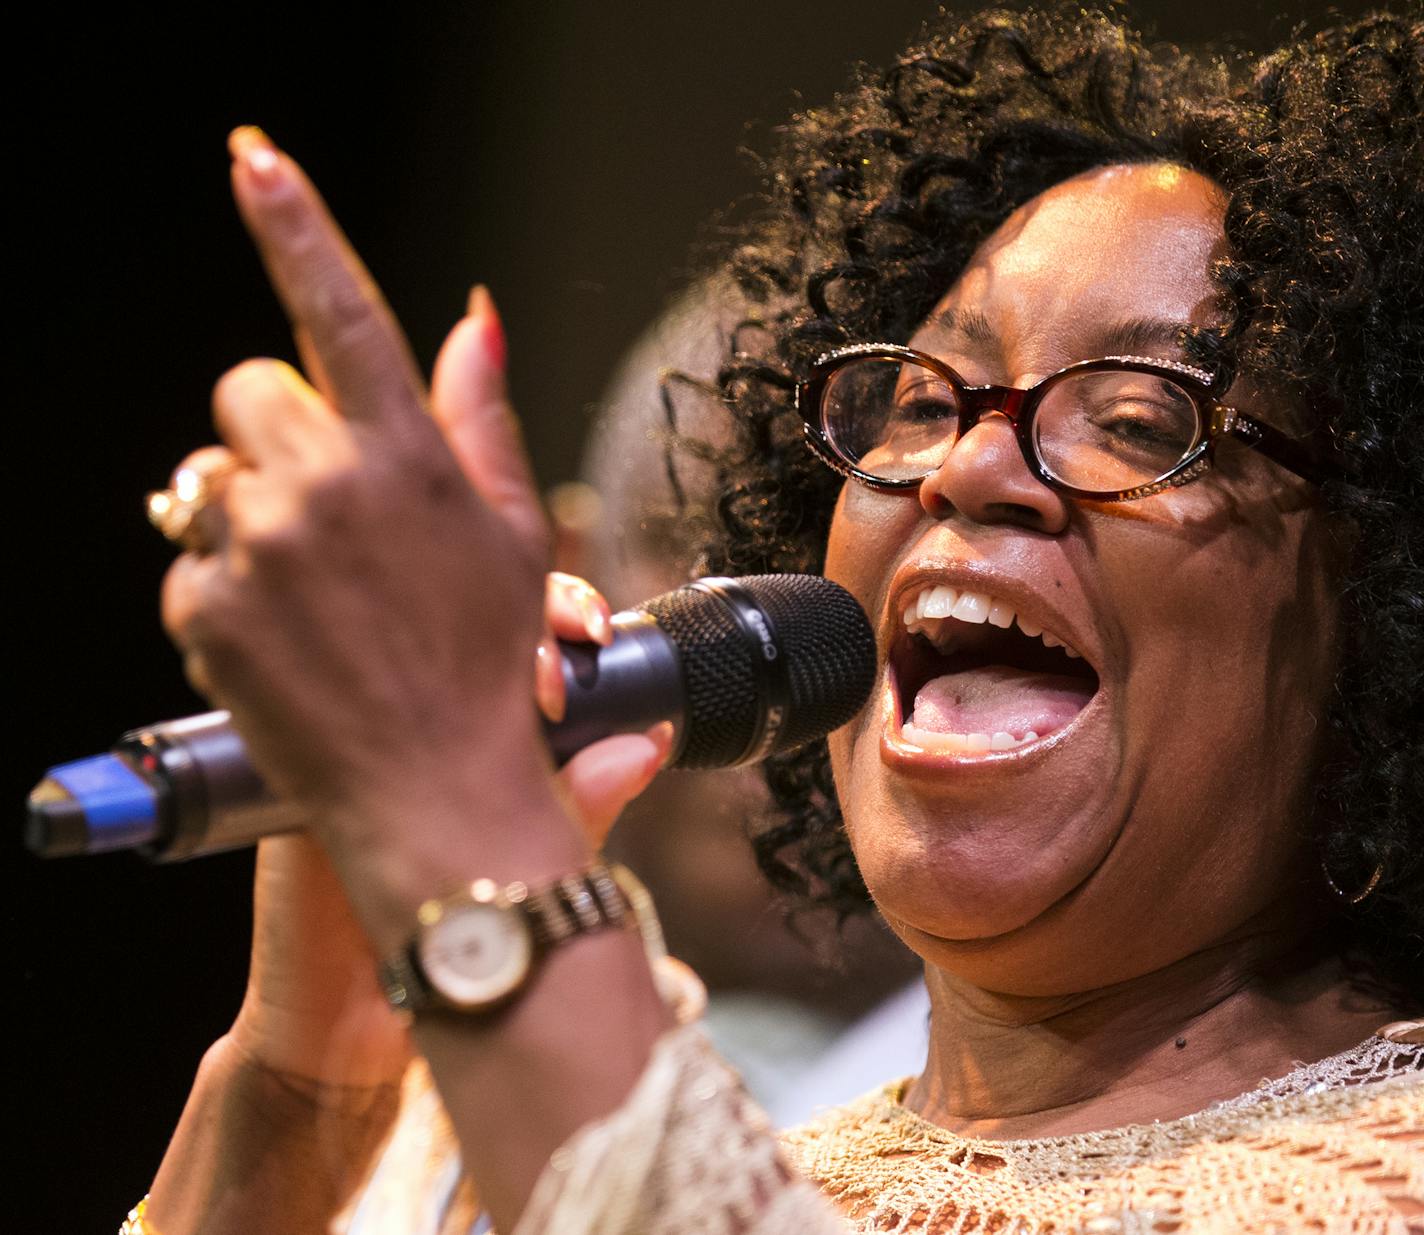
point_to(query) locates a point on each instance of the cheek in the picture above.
(1228, 635)
(1241, 611)
(839, 544)
(1230, 573)
(845, 565)
(869, 532)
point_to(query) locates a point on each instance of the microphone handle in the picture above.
(209, 798)
(626, 687)
(185, 788)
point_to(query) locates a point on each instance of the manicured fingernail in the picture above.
(548, 681)
(253, 149)
(661, 736)
(481, 308)
(595, 618)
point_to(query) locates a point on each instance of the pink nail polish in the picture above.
(253, 149)
(595, 618)
(483, 311)
(661, 736)
(547, 682)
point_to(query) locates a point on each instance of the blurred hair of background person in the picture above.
(811, 1012)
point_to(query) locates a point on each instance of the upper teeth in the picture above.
(930, 608)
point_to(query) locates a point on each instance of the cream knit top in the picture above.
(1332, 1148)
(1336, 1146)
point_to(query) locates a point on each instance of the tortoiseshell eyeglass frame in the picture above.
(1018, 405)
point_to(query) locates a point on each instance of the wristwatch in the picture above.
(474, 950)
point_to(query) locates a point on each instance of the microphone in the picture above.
(743, 668)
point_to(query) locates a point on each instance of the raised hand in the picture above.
(368, 613)
(366, 595)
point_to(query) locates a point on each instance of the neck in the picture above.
(1160, 1046)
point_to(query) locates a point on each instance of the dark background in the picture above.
(569, 155)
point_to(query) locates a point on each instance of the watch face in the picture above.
(475, 953)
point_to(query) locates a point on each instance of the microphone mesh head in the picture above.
(830, 651)
(827, 650)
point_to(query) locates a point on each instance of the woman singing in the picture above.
(1094, 373)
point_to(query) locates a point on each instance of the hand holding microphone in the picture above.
(363, 594)
(742, 668)
(361, 589)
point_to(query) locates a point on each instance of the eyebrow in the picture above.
(1121, 338)
(1139, 334)
(970, 323)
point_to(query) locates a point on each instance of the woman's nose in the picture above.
(986, 478)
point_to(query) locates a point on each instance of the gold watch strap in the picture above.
(594, 899)
(574, 905)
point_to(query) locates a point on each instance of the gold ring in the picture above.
(174, 511)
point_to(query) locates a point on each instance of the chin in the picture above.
(967, 854)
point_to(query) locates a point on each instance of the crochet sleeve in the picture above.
(688, 1153)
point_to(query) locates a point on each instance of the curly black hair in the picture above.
(877, 202)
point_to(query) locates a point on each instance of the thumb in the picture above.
(470, 402)
(602, 779)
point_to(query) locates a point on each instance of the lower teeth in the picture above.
(963, 743)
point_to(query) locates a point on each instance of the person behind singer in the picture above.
(1141, 780)
(810, 1016)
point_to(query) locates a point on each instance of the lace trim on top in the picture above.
(1334, 1146)
(1375, 1059)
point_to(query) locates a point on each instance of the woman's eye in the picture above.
(1139, 420)
(923, 404)
(922, 411)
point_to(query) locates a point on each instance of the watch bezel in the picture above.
(482, 896)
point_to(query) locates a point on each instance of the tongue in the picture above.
(999, 699)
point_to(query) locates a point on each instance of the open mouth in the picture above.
(971, 675)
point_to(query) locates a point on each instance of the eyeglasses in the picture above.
(1107, 430)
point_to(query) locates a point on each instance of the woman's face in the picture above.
(1160, 808)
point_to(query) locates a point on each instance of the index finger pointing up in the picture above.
(330, 297)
